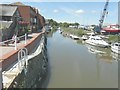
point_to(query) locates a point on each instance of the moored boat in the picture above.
(112, 29)
(84, 37)
(97, 41)
(74, 37)
(115, 47)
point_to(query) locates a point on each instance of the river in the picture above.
(76, 65)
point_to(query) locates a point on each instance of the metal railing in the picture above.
(15, 41)
(22, 59)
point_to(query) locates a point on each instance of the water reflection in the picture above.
(101, 53)
(115, 56)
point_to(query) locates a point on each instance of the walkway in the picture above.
(8, 54)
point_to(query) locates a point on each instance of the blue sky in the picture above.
(81, 12)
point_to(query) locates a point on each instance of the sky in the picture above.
(81, 11)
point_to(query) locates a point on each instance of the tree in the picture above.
(65, 24)
(76, 24)
(52, 22)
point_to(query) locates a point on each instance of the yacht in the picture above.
(115, 47)
(97, 41)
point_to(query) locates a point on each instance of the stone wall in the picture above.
(36, 72)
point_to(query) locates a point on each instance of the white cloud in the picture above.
(80, 11)
(55, 11)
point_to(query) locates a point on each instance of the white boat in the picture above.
(84, 37)
(115, 47)
(97, 41)
(74, 37)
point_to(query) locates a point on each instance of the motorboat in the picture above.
(84, 37)
(97, 41)
(115, 47)
(74, 37)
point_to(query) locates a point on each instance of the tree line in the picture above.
(53, 23)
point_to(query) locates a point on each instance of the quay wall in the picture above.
(36, 72)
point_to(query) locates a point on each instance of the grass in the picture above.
(113, 38)
(78, 32)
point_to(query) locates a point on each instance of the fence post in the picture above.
(25, 38)
(15, 42)
(1, 79)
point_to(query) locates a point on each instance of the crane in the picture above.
(98, 28)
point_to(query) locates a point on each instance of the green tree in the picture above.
(65, 24)
(76, 24)
(52, 22)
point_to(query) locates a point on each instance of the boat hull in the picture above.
(114, 31)
(96, 44)
(115, 47)
(115, 50)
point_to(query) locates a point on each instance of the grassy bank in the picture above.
(78, 32)
(113, 38)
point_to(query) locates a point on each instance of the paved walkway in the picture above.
(6, 50)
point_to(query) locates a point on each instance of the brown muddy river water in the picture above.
(77, 65)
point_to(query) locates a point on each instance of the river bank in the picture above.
(80, 32)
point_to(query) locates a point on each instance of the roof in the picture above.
(17, 3)
(24, 12)
(7, 10)
(5, 24)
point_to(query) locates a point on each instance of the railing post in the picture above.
(1, 79)
(15, 42)
(25, 38)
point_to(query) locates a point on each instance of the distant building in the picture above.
(73, 26)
